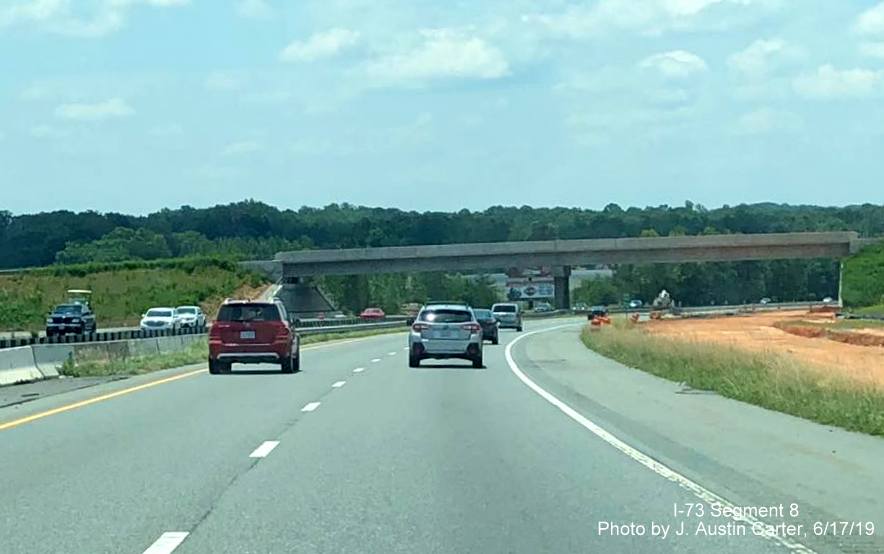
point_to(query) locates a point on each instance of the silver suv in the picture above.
(442, 331)
(509, 315)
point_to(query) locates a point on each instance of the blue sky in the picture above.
(136, 105)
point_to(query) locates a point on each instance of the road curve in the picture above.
(357, 453)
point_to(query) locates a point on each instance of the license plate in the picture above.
(247, 334)
(444, 334)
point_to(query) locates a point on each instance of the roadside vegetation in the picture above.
(122, 291)
(101, 364)
(864, 281)
(772, 381)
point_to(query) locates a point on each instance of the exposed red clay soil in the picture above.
(855, 354)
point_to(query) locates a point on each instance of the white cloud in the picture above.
(871, 21)
(62, 17)
(319, 46)
(872, 49)
(830, 82)
(758, 59)
(241, 148)
(767, 120)
(47, 132)
(647, 16)
(443, 53)
(254, 9)
(220, 80)
(676, 64)
(97, 111)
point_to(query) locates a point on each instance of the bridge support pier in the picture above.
(562, 284)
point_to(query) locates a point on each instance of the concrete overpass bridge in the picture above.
(560, 255)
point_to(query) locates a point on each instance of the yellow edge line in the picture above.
(80, 404)
(130, 390)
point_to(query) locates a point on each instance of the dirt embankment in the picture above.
(855, 354)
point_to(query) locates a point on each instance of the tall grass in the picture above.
(770, 380)
(101, 364)
(122, 291)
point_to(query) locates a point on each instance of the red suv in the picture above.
(253, 332)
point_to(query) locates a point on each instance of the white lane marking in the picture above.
(263, 450)
(660, 469)
(376, 360)
(391, 353)
(167, 542)
(311, 406)
(404, 348)
(359, 370)
(339, 384)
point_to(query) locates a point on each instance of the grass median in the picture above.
(102, 364)
(769, 380)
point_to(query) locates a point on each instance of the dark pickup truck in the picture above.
(75, 318)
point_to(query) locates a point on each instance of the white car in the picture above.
(160, 319)
(191, 316)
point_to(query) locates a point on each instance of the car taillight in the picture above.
(473, 327)
(215, 332)
(282, 332)
(418, 327)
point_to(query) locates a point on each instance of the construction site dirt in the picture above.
(856, 354)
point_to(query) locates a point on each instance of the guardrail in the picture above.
(98, 336)
(329, 329)
(308, 327)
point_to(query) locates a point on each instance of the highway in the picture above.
(546, 449)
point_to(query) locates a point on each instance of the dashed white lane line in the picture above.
(263, 450)
(311, 406)
(376, 360)
(391, 353)
(339, 384)
(404, 348)
(167, 542)
(659, 468)
(359, 370)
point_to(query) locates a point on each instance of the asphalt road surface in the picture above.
(550, 448)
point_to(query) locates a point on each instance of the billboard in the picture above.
(534, 289)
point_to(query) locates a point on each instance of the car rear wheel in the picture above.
(495, 340)
(519, 329)
(217, 367)
(477, 362)
(287, 365)
(296, 361)
(414, 361)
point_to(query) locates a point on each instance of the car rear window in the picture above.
(446, 316)
(186, 310)
(505, 308)
(69, 309)
(483, 314)
(249, 312)
(159, 313)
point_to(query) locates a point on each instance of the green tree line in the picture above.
(250, 230)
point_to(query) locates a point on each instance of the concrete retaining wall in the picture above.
(43, 361)
(17, 365)
(50, 357)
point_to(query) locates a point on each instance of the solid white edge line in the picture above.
(263, 450)
(338, 384)
(311, 406)
(167, 542)
(660, 469)
(359, 370)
